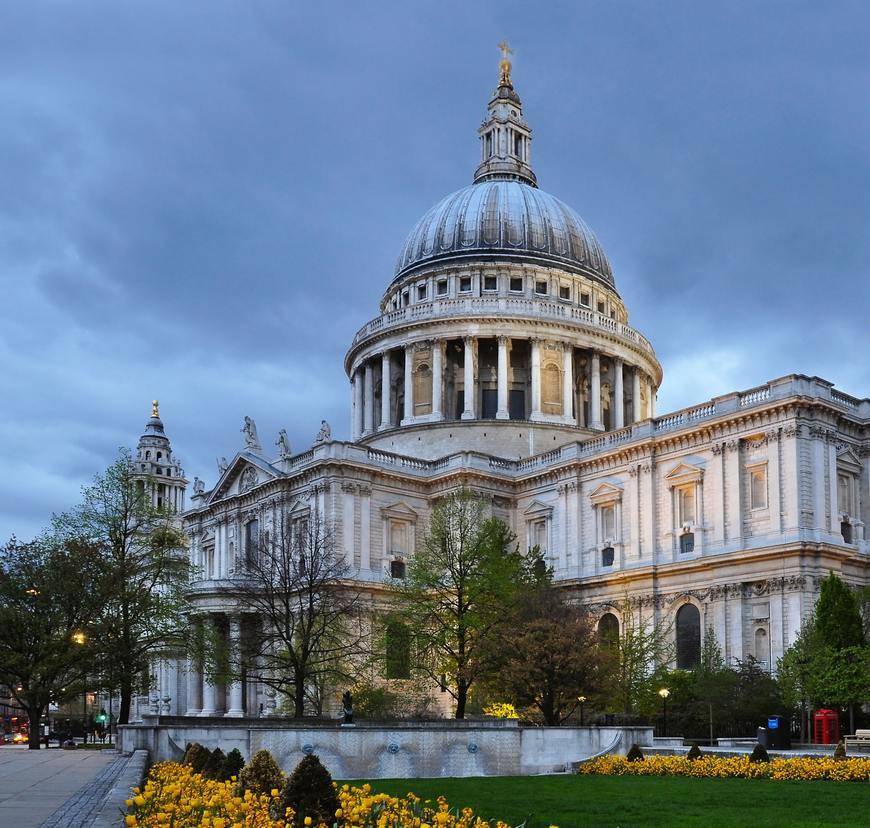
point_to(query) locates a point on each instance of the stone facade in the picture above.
(502, 360)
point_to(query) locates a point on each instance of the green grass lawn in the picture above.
(574, 801)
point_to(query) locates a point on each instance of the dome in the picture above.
(503, 219)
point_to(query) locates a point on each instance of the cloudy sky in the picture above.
(202, 201)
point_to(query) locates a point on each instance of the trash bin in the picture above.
(778, 733)
(826, 727)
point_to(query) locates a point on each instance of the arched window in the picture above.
(551, 389)
(147, 455)
(608, 629)
(688, 637)
(422, 389)
(252, 541)
(762, 648)
(398, 651)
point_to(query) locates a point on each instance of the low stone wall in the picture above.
(373, 750)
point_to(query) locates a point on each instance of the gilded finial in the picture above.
(155, 408)
(505, 64)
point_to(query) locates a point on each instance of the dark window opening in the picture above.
(584, 299)
(564, 292)
(688, 637)
(601, 307)
(846, 530)
(421, 292)
(608, 629)
(607, 556)
(490, 283)
(687, 543)
(441, 288)
(516, 284)
(489, 399)
(517, 404)
(541, 288)
(465, 284)
(397, 569)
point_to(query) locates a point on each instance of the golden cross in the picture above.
(505, 49)
(155, 411)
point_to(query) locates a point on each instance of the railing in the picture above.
(844, 399)
(756, 395)
(501, 306)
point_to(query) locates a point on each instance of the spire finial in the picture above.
(155, 408)
(505, 65)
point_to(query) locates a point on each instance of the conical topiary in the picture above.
(759, 754)
(840, 750)
(694, 752)
(261, 775)
(212, 767)
(232, 766)
(635, 754)
(310, 793)
(196, 756)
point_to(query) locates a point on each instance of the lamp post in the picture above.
(664, 693)
(582, 700)
(78, 637)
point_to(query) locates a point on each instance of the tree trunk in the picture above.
(34, 719)
(461, 697)
(299, 697)
(126, 688)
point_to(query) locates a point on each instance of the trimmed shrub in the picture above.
(212, 767)
(694, 752)
(759, 754)
(635, 754)
(309, 792)
(840, 750)
(232, 766)
(261, 775)
(196, 756)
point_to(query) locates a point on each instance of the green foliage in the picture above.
(232, 765)
(759, 754)
(310, 793)
(196, 756)
(375, 702)
(214, 764)
(635, 754)
(261, 774)
(461, 584)
(840, 750)
(694, 752)
(838, 618)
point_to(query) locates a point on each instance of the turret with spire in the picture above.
(505, 137)
(154, 460)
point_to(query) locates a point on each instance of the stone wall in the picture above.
(390, 750)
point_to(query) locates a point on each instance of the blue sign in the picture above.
(773, 724)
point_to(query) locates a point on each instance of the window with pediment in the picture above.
(538, 516)
(757, 485)
(607, 503)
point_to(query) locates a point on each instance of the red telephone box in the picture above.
(826, 727)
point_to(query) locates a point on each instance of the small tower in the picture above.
(505, 137)
(154, 460)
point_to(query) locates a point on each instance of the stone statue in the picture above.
(252, 441)
(198, 486)
(325, 433)
(222, 465)
(283, 444)
(347, 704)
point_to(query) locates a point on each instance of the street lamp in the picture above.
(664, 693)
(79, 637)
(582, 700)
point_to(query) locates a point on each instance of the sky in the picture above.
(201, 202)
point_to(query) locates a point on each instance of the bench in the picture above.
(860, 740)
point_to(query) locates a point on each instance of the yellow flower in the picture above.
(274, 792)
(307, 820)
(130, 820)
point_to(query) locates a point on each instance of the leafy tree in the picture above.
(547, 656)
(310, 615)
(794, 673)
(49, 603)
(142, 575)
(461, 585)
(838, 617)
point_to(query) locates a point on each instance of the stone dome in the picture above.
(503, 219)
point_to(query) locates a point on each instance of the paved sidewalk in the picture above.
(34, 784)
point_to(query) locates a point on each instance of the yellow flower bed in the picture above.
(733, 767)
(175, 796)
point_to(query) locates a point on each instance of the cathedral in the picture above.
(501, 358)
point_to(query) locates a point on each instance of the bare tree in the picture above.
(311, 623)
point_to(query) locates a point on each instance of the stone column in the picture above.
(386, 419)
(652, 399)
(618, 396)
(635, 396)
(194, 687)
(468, 379)
(568, 382)
(536, 379)
(437, 378)
(369, 399)
(357, 405)
(409, 383)
(209, 691)
(595, 394)
(502, 412)
(236, 710)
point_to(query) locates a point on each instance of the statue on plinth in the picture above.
(283, 444)
(252, 441)
(325, 433)
(347, 704)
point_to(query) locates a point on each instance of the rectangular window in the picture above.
(397, 569)
(564, 292)
(405, 298)
(758, 488)
(608, 522)
(539, 535)
(601, 307)
(584, 299)
(541, 288)
(686, 504)
(465, 284)
(490, 283)
(441, 287)
(516, 284)
(421, 292)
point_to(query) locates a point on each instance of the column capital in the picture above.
(503, 339)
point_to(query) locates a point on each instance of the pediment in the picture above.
(399, 511)
(245, 472)
(847, 460)
(685, 473)
(605, 492)
(538, 508)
